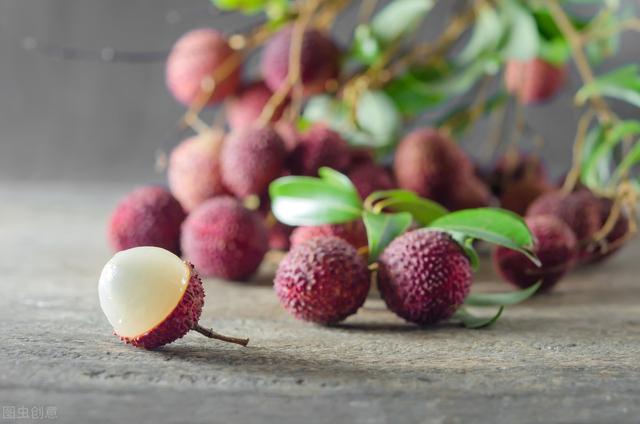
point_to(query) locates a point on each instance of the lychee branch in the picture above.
(214, 335)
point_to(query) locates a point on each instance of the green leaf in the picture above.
(629, 160)
(330, 199)
(556, 51)
(398, 18)
(382, 229)
(459, 119)
(471, 321)
(424, 211)
(245, 6)
(501, 299)
(487, 33)
(377, 115)
(523, 40)
(493, 225)
(466, 243)
(366, 47)
(622, 84)
(335, 114)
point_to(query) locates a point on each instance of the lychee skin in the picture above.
(148, 216)
(252, 157)
(519, 195)
(430, 164)
(197, 55)
(318, 147)
(470, 192)
(223, 239)
(535, 80)
(322, 280)
(556, 247)
(370, 177)
(319, 60)
(352, 232)
(194, 172)
(245, 108)
(424, 276)
(184, 318)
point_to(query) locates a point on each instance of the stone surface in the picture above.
(572, 356)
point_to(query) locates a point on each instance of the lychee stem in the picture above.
(213, 335)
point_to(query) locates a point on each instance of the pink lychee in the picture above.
(318, 147)
(352, 232)
(534, 80)
(245, 107)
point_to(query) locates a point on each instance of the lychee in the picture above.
(224, 239)
(424, 276)
(352, 232)
(370, 177)
(289, 134)
(322, 280)
(252, 157)
(245, 107)
(194, 169)
(319, 60)
(318, 147)
(556, 248)
(151, 298)
(198, 58)
(148, 216)
(534, 80)
(469, 192)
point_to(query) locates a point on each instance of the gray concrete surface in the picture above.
(569, 357)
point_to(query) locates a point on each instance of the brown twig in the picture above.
(214, 335)
(578, 146)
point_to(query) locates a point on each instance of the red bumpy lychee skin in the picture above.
(370, 177)
(194, 173)
(424, 276)
(319, 60)
(323, 280)
(224, 239)
(252, 157)
(471, 192)
(585, 214)
(535, 80)
(319, 147)
(196, 57)
(245, 108)
(556, 247)
(183, 319)
(352, 232)
(148, 216)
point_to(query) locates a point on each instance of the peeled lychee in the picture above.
(148, 216)
(352, 232)
(424, 276)
(319, 60)
(196, 59)
(318, 147)
(194, 169)
(556, 247)
(534, 80)
(151, 298)
(245, 107)
(322, 280)
(252, 157)
(224, 239)
(370, 177)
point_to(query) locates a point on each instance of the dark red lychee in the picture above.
(319, 60)
(224, 239)
(322, 280)
(430, 164)
(469, 192)
(319, 147)
(534, 80)
(352, 232)
(196, 60)
(194, 173)
(245, 107)
(370, 177)
(424, 276)
(556, 247)
(148, 216)
(252, 157)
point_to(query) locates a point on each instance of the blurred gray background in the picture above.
(92, 120)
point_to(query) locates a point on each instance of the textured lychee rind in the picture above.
(245, 107)
(224, 239)
(556, 247)
(318, 147)
(534, 80)
(470, 192)
(370, 177)
(519, 195)
(252, 157)
(194, 173)
(179, 322)
(197, 55)
(322, 280)
(319, 60)
(424, 276)
(352, 232)
(148, 216)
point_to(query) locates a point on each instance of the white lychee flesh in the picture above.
(140, 287)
